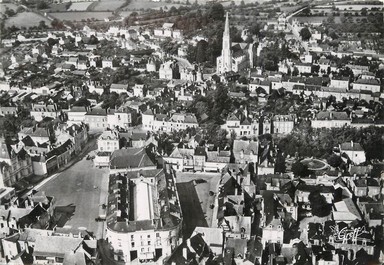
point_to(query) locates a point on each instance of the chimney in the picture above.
(351, 143)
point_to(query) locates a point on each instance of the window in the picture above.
(149, 243)
(132, 237)
(133, 244)
(149, 236)
(157, 234)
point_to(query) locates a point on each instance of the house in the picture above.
(330, 119)
(286, 205)
(130, 159)
(181, 159)
(138, 90)
(303, 190)
(68, 249)
(107, 63)
(363, 186)
(76, 114)
(304, 68)
(241, 126)
(273, 232)
(182, 121)
(340, 82)
(39, 111)
(38, 134)
(195, 250)
(79, 135)
(372, 85)
(212, 236)
(354, 151)
(147, 119)
(373, 213)
(122, 118)
(8, 111)
(245, 151)
(169, 70)
(283, 124)
(108, 141)
(96, 119)
(161, 122)
(346, 211)
(357, 69)
(168, 30)
(118, 88)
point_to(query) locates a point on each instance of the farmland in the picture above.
(78, 16)
(108, 5)
(79, 6)
(25, 19)
(146, 4)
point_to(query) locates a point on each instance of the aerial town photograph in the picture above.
(192, 132)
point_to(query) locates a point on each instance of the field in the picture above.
(79, 6)
(25, 19)
(108, 5)
(145, 4)
(78, 16)
(4, 6)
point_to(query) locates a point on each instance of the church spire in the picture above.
(226, 27)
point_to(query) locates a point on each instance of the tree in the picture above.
(216, 12)
(82, 102)
(41, 5)
(295, 71)
(10, 12)
(42, 25)
(305, 34)
(300, 170)
(334, 160)
(319, 205)
(201, 51)
(280, 163)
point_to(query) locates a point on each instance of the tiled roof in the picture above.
(55, 246)
(246, 146)
(332, 115)
(130, 158)
(351, 147)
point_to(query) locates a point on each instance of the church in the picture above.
(234, 56)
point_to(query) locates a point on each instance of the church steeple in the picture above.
(226, 28)
(226, 51)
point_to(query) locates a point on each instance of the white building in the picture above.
(283, 124)
(367, 84)
(108, 141)
(354, 151)
(138, 229)
(273, 232)
(330, 119)
(39, 111)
